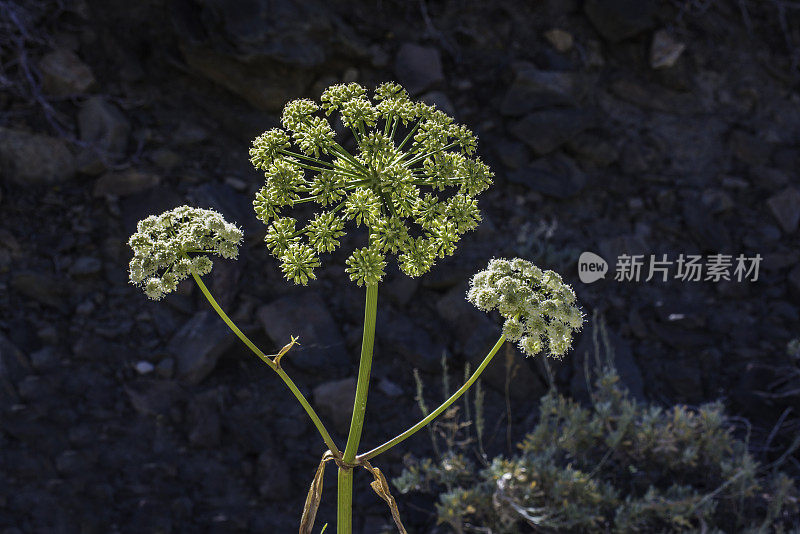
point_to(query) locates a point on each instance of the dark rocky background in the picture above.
(622, 125)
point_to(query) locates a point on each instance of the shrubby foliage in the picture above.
(615, 466)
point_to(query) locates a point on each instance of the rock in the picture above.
(620, 19)
(144, 367)
(40, 287)
(266, 51)
(475, 335)
(544, 131)
(400, 288)
(612, 248)
(153, 397)
(785, 207)
(618, 353)
(512, 154)
(389, 388)
(203, 418)
(717, 201)
(124, 183)
(768, 177)
(535, 89)
(306, 316)
(198, 345)
(64, 74)
(665, 50)
(681, 337)
(188, 134)
(274, 477)
(103, 125)
(593, 148)
(375, 524)
(14, 365)
(165, 159)
(235, 206)
(44, 358)
(418, 67)
(710, 235)
(334, 400)
(32, 160)
(560, 39)
(85, 266)
(88, 162)
(794, 279)
(749, 148)
(556, 176)
(440, 100)
(263, 88)
(136, 207)
(165, 368)
(685, 379)
(399, 337)
(269, 32)
(637, 158)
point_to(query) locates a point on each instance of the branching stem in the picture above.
(326, 437)
(438, 411)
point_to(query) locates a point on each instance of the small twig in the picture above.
(775, 428)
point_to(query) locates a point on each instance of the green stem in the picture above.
(409, 136)
(438, 411)
(344, 515)
(303, 156)
(326, 437)
(420, 157)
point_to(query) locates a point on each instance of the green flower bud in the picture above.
(267, 146)
(418, 257)
(366, 266)
(297, 113)
(281, 235)
(324, 232)
(362, 205)
(335, 96)
(298, 263)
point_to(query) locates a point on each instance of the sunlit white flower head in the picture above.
(539, 308)
(412, 181)
(169, 247)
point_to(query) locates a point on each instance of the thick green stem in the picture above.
(438, 411)
(326, 437)
(344, 515)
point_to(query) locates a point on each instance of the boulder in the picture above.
(620, 19)
(334, 400)
(305, 316)
(64, 74)
(198, 345)
(103, 125)
(31, 159)
(546, 130)
(418, 67)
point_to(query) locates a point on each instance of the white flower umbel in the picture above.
(539, 308)
(170, 247)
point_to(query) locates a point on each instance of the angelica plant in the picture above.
(409, 187)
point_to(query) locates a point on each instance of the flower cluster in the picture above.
(412, 182)
(538, 307)
(169, 247)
